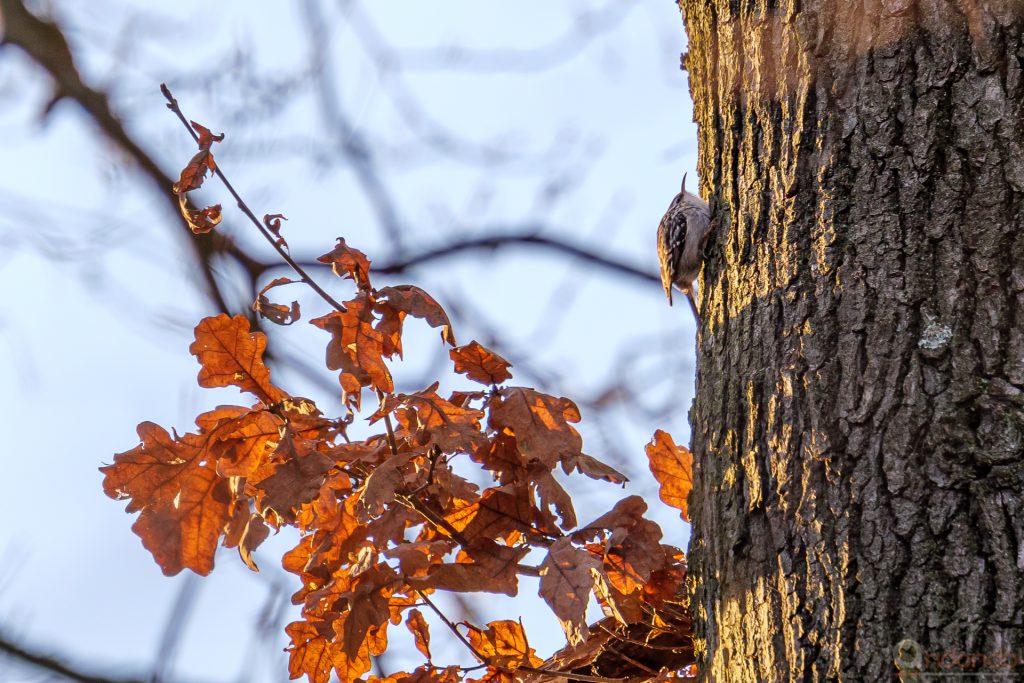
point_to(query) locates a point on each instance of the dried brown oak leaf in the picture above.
(503, 644)
(420, 631)
(348, 262)
(356, 347)
(292, 477)
(417, 303)
(501, 512)
(192, 176)
(246, 531)
(200, 221)
(231, 354)
(433, 420)
(540, 423)
(566, 579)
(313, 652)
(481, 566)
(276, 313)
(480, 364)
(672, 466)
(184, 503)
(633, 549)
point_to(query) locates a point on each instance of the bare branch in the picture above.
(53, 664)
(507, 239)
(45, 44)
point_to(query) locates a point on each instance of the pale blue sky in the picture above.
(99, 301)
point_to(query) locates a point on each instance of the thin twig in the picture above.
(529, 669)
(172, 104)
(451, 626)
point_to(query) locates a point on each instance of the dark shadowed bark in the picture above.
(859, 419)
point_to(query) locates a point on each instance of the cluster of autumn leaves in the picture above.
(386, 521)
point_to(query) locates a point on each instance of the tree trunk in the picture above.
(859, 420)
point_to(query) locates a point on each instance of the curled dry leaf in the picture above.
(231, 354)
(276, 313)
(206, 138)
(672, 466)
(194, 173)
(204, 220)
(246, 531)
(417, 625)
(480, 364)
(272, 222)
(200, 221)
(348, 262)
(419, 304)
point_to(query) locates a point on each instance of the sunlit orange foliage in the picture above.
(385, 521)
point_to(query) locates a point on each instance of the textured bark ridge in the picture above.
(859, 419)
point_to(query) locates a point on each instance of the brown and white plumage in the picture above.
(681, 236)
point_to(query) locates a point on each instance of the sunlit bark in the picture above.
(859, 419)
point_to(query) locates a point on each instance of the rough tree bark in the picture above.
(859, 419)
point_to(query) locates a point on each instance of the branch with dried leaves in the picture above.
(388, 520)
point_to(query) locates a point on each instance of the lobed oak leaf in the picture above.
(313, 654)
(293, 477)
(552, 495)
(433, 420)
(539, 422)
(419, 304)
(230, 354)
(633, 550)
(500, 455)
(414, 559)
(480, 364)
(445, 487)
(464, 398)
(382, 484)
(482, 566)
(242, 444)
(364, 623)
(340, 535)
(672, 466)
(420, 631)
(276, 313)
(566, 579)
(503, 644)
(667, 583)
(625, 608)
(356, 347)
(390, 328)
(499, 512)
(423, 674)
(348, 262)
(184, 504)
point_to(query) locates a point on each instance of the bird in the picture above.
(682, 233)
